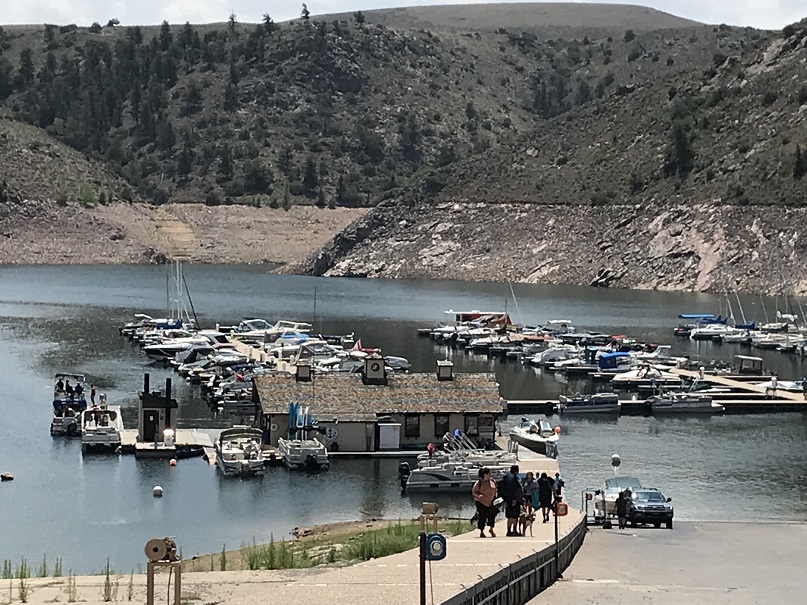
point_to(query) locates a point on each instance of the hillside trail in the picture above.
(176, 236)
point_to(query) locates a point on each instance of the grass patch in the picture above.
(344, 548)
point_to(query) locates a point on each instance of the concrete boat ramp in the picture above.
(704, 563)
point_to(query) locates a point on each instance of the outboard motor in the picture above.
(403, 475)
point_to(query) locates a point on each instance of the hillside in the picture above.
(558, 20)
(479, 132)
(691, 183)
(326, 111)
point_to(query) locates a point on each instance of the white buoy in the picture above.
(157, 492)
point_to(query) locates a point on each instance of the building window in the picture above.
(486, 424)
(472, 426)
(441, 425)
(412, 426)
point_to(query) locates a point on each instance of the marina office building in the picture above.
(376, 410)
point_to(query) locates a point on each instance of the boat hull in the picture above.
(539, 446)
(598, 409)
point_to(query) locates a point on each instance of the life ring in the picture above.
(71, 429)
(375, 367)
(273, 427)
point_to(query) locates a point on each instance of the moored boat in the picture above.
(101, 427)
(68, 404)
(684, 403)
(238, 452)
(598, 403)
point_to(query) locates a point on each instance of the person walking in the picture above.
(543, 496)
(621, 506)
(559, 485)
(529, 485)
(484, 493)
(513, 495)
(774, 384)
(92, 394)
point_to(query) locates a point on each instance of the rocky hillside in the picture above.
(696, 182)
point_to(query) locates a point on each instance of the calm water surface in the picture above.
(86, 509)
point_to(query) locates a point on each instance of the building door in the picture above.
(151, 422)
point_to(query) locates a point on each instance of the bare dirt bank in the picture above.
(52, 233)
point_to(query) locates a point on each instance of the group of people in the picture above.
(519, 497)
(73, 392)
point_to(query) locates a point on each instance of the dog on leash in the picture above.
(525, 520)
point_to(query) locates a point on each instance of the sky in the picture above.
(768, 14)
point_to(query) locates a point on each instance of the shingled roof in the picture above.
(346, 397)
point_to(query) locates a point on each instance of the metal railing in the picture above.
(517, 583)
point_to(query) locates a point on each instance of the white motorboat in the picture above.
(68, 403)
(598, 403)
(645, 375)
(536, 435)
(684, 403)
(303, 454)
(238, 452)
(170, 348)
(101, 427)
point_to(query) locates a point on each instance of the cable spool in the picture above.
(161, 549)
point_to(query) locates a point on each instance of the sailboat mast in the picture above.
(740, 305)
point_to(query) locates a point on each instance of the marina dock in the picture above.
(742, 396)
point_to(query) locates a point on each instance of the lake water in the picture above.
(86, 509)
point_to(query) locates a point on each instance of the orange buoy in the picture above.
(173, 462)
(557, 430)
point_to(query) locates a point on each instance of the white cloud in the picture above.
(772, 14)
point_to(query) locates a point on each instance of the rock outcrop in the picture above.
(677, 247)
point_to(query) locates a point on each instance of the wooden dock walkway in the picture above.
(182, 438)
(782, 397)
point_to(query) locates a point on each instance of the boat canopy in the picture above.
(611, 360)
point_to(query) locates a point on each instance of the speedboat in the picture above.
(303, 454)
(168, 349)
(684, 403)
(646, 375)
(67, 405)
(598, 403)
(101, 427)
(537, 435)
(238, 451)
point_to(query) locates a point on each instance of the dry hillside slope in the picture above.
(558, 19)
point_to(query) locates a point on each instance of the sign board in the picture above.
(561, 509)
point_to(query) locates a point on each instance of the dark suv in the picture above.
(650, 506)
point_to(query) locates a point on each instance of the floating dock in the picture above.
(741, 397)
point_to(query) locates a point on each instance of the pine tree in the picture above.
(359, 18)
(799, 164)
(268, 24)
(305, 15)
(321, 203)
(232, 23)
(310, 177)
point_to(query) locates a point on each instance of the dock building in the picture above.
(377, 410)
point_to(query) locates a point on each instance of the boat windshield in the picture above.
(617, 484)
